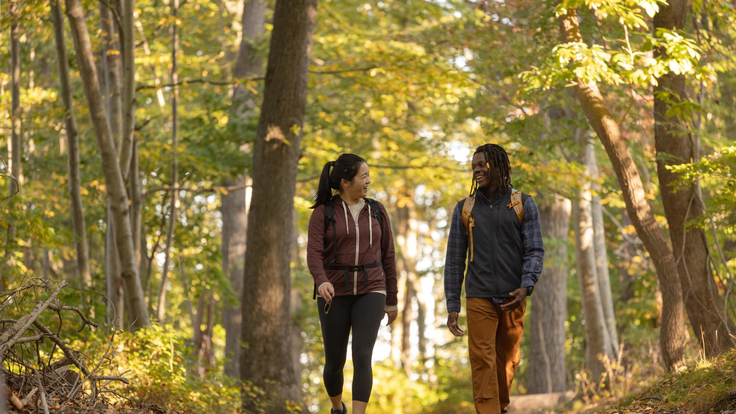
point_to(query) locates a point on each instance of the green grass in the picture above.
(702, 388)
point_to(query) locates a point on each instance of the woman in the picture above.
(350, 254)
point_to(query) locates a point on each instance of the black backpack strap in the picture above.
(329, 219)
(375, 210)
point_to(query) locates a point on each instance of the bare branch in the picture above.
(10, 337)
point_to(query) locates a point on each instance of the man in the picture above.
(497, 229)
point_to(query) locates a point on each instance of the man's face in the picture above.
(482, 174)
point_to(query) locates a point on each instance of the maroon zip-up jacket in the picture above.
(321, 241)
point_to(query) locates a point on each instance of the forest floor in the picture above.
(709, 386)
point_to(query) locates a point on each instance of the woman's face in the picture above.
(358, 187)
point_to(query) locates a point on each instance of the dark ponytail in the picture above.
(344, 168)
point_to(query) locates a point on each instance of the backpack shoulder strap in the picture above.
(517, 204)
(330, 218)
(376, 211)
(468, 221)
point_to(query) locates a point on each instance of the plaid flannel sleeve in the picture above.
(533, 245)
(457, 249)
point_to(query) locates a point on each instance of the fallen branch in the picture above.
(13, 334)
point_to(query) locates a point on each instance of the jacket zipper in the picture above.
(357, 250)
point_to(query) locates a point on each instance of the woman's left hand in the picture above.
(391, 316)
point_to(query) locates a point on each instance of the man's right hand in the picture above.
(452, 324)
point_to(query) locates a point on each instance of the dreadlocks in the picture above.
(495, 157)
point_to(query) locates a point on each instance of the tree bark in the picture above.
(672, 332)
(114, 283)
(111, 81)
(705, 308)
(72, 143)
(15, 143)
(235, 204)
(278, 138)
(549, 302)
(161, 308)
(406, 237)
(234, 211)
(598, 343)
(112, 65)
(14, 146)
(113, 178)
(129, 105)
(135, 192)
(601, 260)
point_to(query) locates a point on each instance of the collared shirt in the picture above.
(457, 252)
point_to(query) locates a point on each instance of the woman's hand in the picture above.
(391, 316)
(327, 291)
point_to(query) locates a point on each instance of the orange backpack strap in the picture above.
(517, 205)
(468, 220)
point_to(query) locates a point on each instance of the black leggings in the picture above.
(364, 314)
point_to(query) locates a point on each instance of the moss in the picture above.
(706, 386)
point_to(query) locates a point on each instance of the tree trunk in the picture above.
(549, 302)
(72, 143)
(235, 204)
(112, 65)
(14, 146)
(397, 328)
(672, 333)
(705, 308)
(598, 343)
(113, 177)
(135, 192)
(278, 138)
(128, 52)
(601, 259)
(114, 285)
(234, 211)
(161, 308)
(406, 237)
(249, 63)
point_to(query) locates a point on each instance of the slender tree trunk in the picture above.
(111, 80)
(628, 251)
(113, 177)
(672, 332)
(598, 342)
(135, 192)
(114, 286)
(235, 204)
(705, 309)
(397, 328)
(111, 64)
(15, 140)
(234, 226)
(72, 143)
(174, 168)
(129, 105)
(406, 237)
(601, 259)
(278, 139)
(549, 302)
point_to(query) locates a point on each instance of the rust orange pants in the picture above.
(494, 337)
